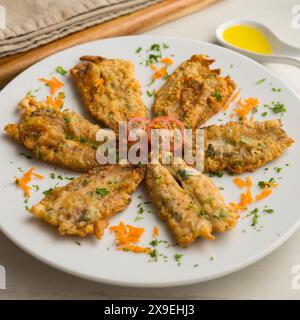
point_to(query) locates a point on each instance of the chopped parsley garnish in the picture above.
(102, 191)
(264, 184)
(138, 50)
(150, 83)
(264, 114)
(255, 216)
(68, 137)
(29, 93)
(36, 187)
(141, 210)
(211, 151)
(184, 174)
(201, 213)
(276, 89)
(61, 70)
(155, 47)
(25, 155)
(218, 174)
(150, 93)
(196, 265)
(85, 182)
(217, 95)
(165, 46)
(78, 243)
(47, 192)
(211, 258)
(260, 81)
(52, 175)
(268, 211)
(278, 169)
(82, 139)
(138, 218)
(278, 107)
(177, 258)
(67, 119)
(254, 110)
(154, 243)
(153, 254)
(153, 58)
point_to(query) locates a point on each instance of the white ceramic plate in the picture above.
(99, 260)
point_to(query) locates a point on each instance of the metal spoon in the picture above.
(282, 52)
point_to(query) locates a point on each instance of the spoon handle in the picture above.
(292, 60)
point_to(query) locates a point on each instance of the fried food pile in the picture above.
(186, 199)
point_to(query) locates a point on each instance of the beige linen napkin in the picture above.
(31, 23)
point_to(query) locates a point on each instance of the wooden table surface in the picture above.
(266, 279)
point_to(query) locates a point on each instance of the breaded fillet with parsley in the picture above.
(194, 92)
(62, 138)
(109, 90)
(188, 201)
(85, 205)
(243, 146)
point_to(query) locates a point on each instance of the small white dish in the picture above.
(282, 52)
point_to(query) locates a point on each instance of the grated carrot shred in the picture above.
(268, 185)
(167, 60)
(155, 232)
(245, 106)
(22, 182)
(152, 67)
(56, 103)
(162, 72)
(135, 249)
(53, 83)
(265, 193)
(247, 198)
(239, 182)
(127, 237)
(249, 181)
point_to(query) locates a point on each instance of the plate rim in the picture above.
(175, 283)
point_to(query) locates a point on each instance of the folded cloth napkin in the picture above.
(31, 23)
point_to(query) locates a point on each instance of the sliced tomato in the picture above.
(169, 123)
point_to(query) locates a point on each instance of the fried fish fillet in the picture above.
(109, 90)
(243, 146)
(85, 205)
(194, 92)
(188, 201)
(62, 138)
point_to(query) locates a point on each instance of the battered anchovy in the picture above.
(109, 90)
(62, 138)
(188, 201)
(243, 146)
(194, 92)
(85, 205)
